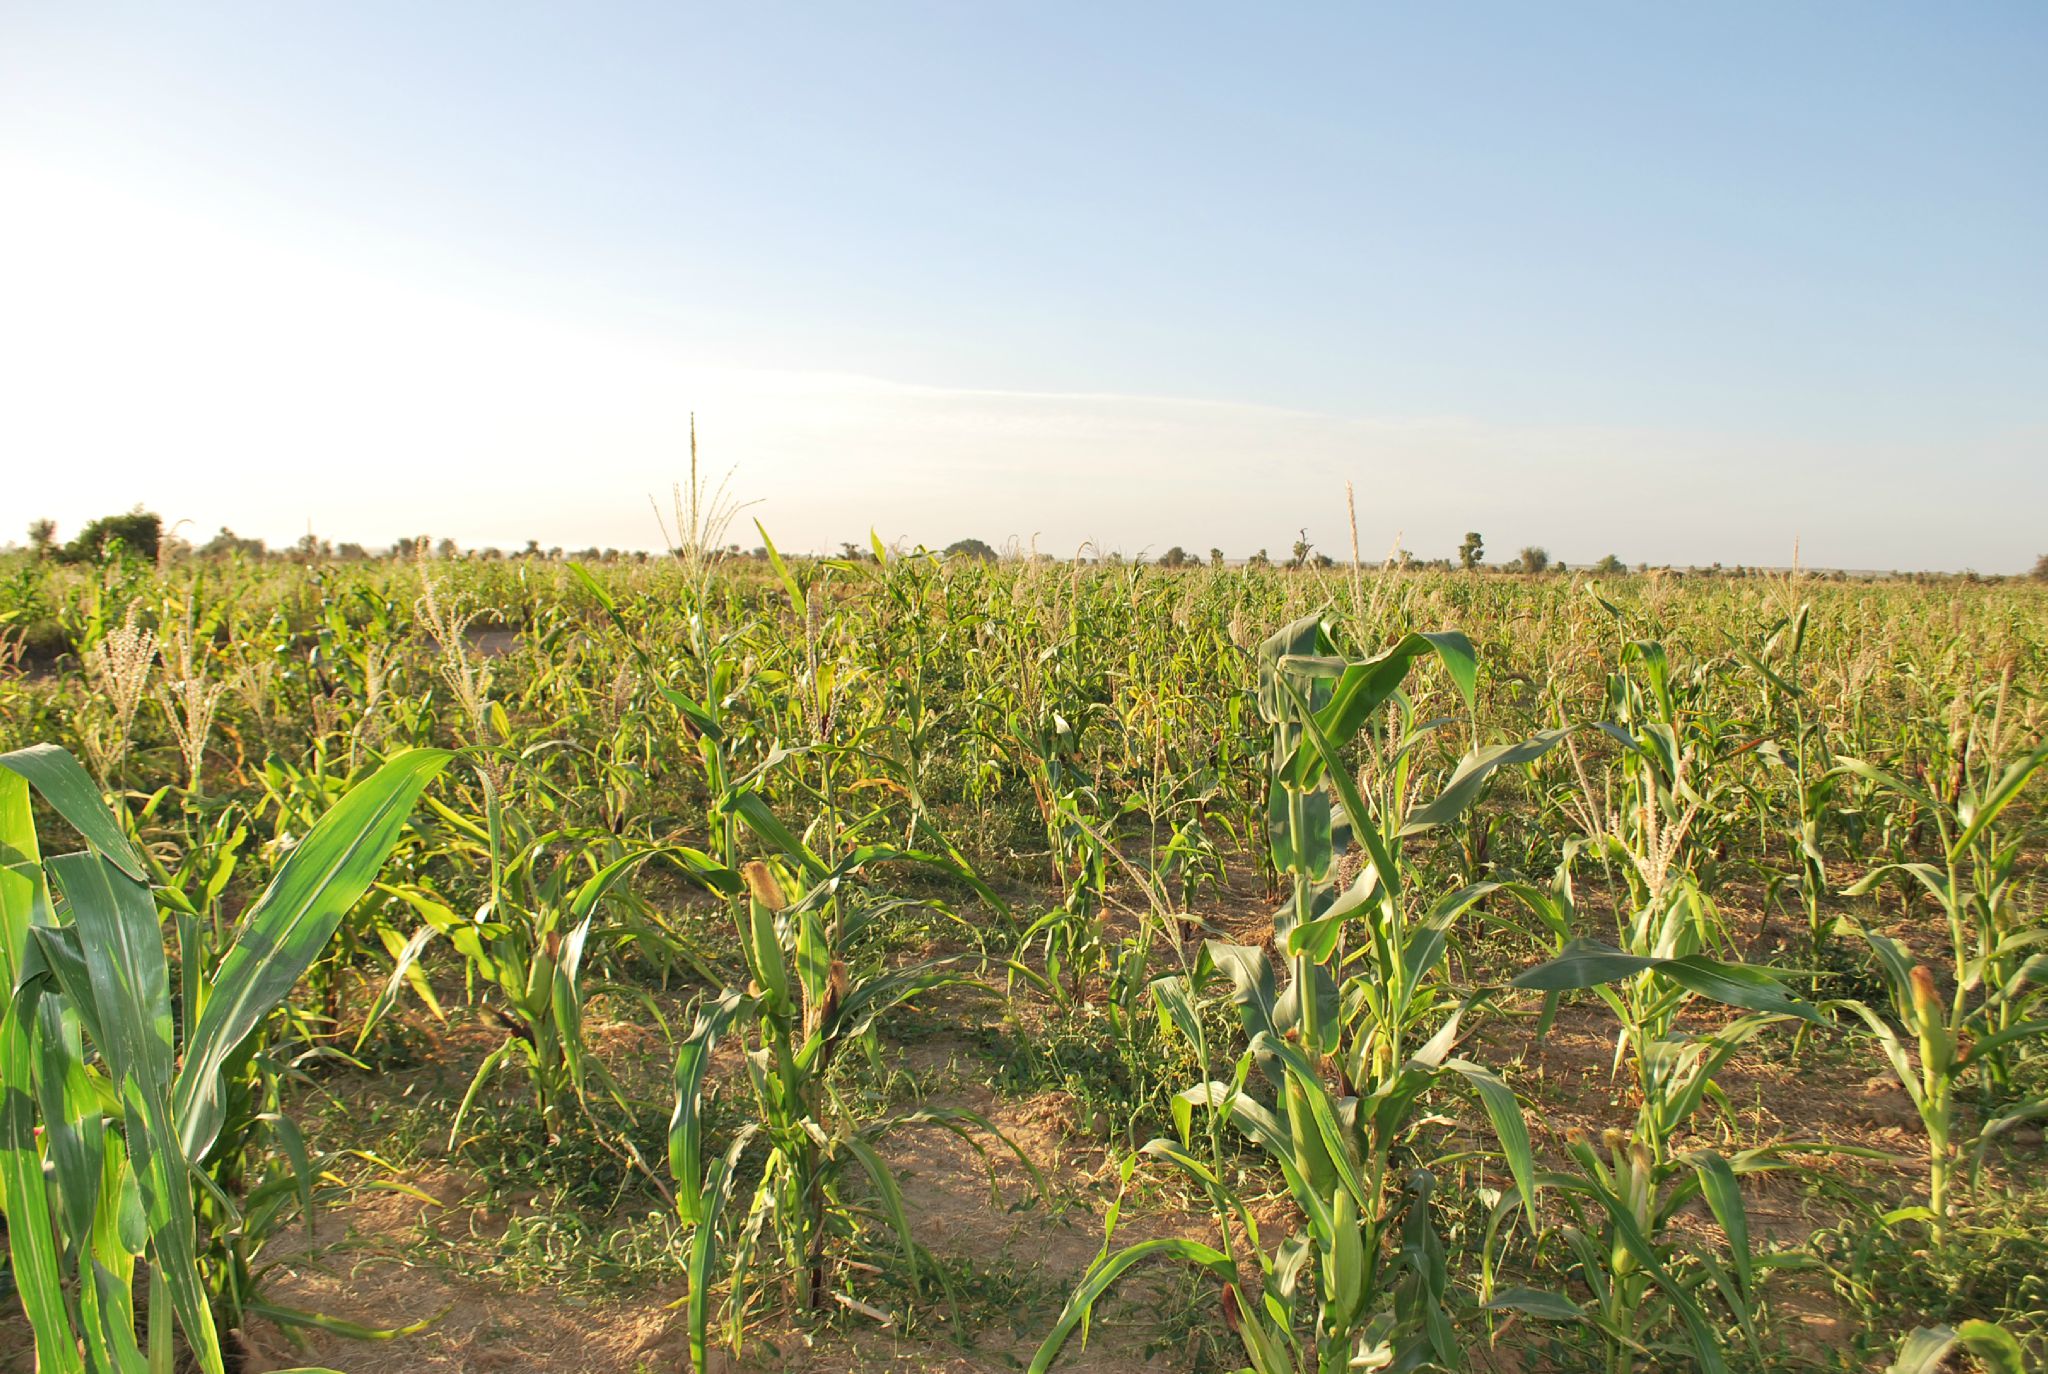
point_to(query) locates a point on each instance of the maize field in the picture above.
(901, 962)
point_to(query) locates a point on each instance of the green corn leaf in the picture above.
(1509, 1128)
(1252, 986)
(1554, 1307)
(1706, 1345)
(1588, 963)
(1364, 824)
(1924, 1351)
(685, 1127)
(1927, 1349)
(71, 792)
(71, 1109)
(1724, 1199)
(752, 810)
(1305, 636)
(25, 902)
(404, 971)
(124, 956)
(120, 1233)
(1738, 985)
(1995, 1346)
(1582, 964)
(566, 1000)
(325, 875)
(789, 583)
(30, 1235)
(889, 1193)
(1364, 686)
(1463, 788)
(1315, 1097)
(1999, 1039)
(355, 1331)
(703, 1255)
(483, 1072)
(2001, 795)
(1107, 1269)
(1891, 782)
(1175, 1000)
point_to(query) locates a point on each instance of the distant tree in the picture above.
(228, 543)
(1610, 564)
(139, 532)
(2041, 568)
(42, 537)
(1533, 559)
(351, 553)
(1175, 557)
(447, 548)
(1323, 560)
(1259, 560)
(1302, 549)
(1471, 551)
(1215, 558)
(971, 548)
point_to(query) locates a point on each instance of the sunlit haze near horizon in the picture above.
(1681, 284)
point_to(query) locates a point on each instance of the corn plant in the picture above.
(1802, 751)
(1642, 1274)
(528, 942)
(1369, 1263)
(800, 1010)
(1652, 1284)
(128, 1135)
(1339, 1046)
(1991, 1012)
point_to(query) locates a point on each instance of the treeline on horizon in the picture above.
(140, 533)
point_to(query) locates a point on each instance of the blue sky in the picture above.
(1683, 283)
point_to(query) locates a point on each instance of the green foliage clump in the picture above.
(139, 533)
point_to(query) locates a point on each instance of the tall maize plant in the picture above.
(107, 1113)
(1351, 1049)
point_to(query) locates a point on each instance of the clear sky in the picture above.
(1678, 282)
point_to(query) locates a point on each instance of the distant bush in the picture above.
(227, 542)
(139, 532)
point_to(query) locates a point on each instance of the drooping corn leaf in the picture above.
(326, 874)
